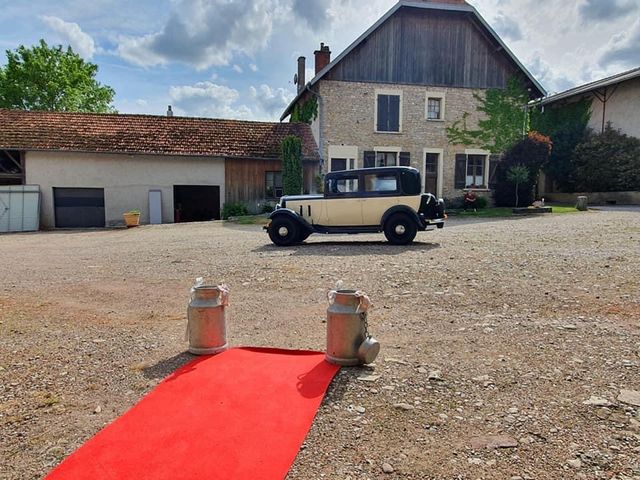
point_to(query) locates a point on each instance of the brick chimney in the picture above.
(323, 57)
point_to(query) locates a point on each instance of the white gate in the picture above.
(19, 208)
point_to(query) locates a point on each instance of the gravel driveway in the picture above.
(492, 333)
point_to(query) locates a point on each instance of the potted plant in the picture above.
(132, 218)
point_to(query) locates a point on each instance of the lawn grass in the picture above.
(497, 212)
(249, 220)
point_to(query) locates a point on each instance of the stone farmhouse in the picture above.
(388, 98)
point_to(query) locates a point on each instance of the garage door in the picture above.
(19, 208)
(196, 203)
(79, 207)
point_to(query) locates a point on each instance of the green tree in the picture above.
(291, 155)
(566, 125)
(506, 119)
(51, 78)
(518, 174)
(532, 152)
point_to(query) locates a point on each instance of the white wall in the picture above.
(622, 110)
(126, 179)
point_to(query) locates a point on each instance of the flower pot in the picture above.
(131, 219)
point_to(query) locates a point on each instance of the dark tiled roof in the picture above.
(148, 134)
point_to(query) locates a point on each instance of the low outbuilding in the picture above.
(91, 168)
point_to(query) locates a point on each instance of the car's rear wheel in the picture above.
(302, 235)
(283, 232)
(400, 229)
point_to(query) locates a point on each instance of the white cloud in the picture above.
(207, 99)
(553, 80)
(72, 34)
(605, 10)
(270, 102)
(623, 50)
(237, 68)
(507, 27)
(204, 33)
(253, 67)
(314, 12)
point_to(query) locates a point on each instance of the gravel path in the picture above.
(493, 334)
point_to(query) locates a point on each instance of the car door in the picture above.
(342, 206)
(381, 192)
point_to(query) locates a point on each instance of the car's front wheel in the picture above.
(400, 229)
(283, 231)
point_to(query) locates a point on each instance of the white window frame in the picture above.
(443, 102)
(344, 151)
(485, 177)
(439, 185)
(375, 110)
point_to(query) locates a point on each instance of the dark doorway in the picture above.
(196, 203)
(431, 173)
(79, 207)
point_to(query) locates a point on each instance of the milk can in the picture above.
(206, 319)
(348, 339)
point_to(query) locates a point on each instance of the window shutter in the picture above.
(383, 113)
(369, 159)
(461, 170)
(405, 159)
(394, 113)
(493, 168)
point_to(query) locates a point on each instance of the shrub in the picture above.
(267, 207)
(457, 203)
(234, 209)
(532, 153)
(607, 162)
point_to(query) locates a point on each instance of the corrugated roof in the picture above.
(148, 134)
(588, 87)
(451, 5)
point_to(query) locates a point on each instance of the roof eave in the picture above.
(589, 87)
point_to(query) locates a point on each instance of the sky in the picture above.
(237, 58)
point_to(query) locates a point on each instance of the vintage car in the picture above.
(368, 200)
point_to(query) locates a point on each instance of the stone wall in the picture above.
(596, 198)
(349, 115)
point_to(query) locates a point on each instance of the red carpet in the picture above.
(242, 414)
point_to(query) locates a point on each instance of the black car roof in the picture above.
(372, 170)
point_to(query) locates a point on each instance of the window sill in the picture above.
(440, 120)
(389, 133)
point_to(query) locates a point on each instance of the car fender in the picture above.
(400, 209)
(287, 212)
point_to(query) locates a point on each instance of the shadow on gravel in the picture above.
(346, 376)
(348, 249)
(166, 367)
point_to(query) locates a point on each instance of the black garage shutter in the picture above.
(79, 207)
